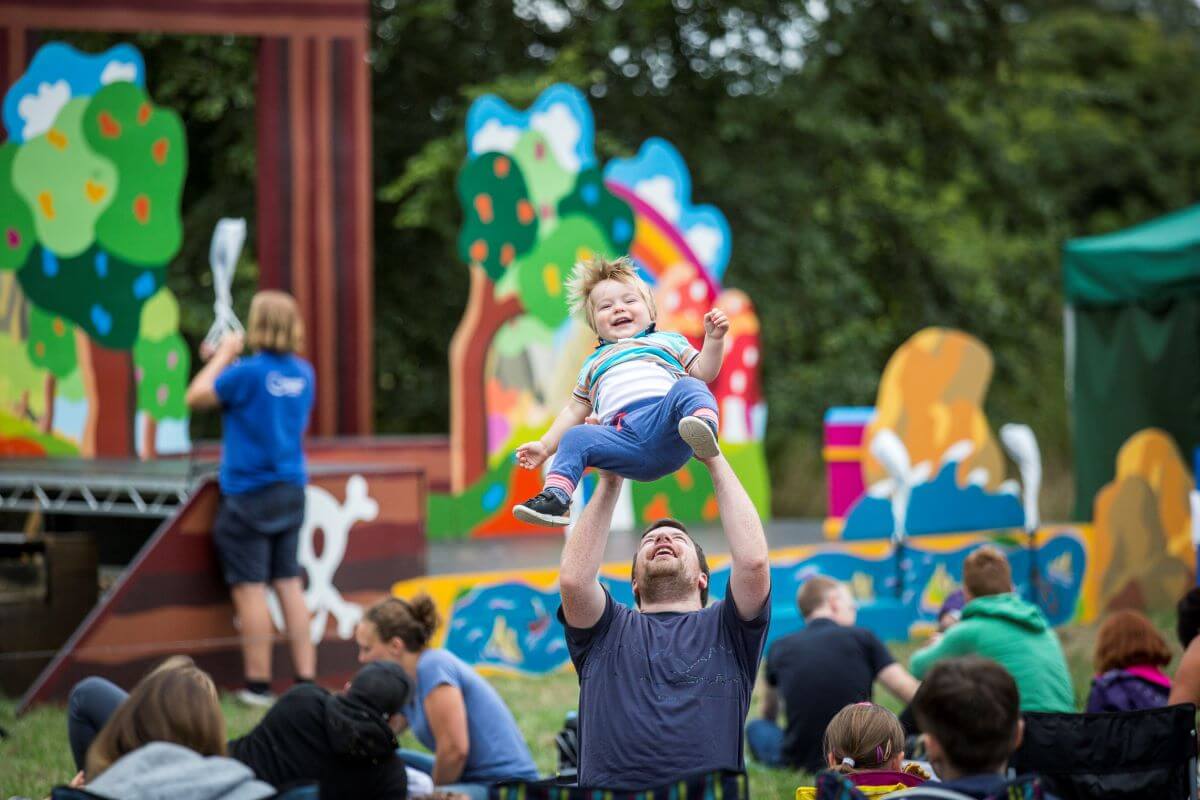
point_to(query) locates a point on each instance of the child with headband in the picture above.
(865, 742)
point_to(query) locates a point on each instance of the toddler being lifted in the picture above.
(645, 388)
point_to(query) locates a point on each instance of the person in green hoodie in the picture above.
(999, 625)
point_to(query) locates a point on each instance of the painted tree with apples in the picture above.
(535, 200)
(90, 184)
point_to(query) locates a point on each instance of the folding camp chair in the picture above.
(722, 785)
(832, 785)
(1131, 754)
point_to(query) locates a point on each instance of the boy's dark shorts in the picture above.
(258, 533)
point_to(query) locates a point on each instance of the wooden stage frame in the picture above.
(314, 226)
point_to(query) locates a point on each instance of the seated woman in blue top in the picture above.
(265, 403)
(454, 712)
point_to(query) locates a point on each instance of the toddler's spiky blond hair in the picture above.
(592, 271)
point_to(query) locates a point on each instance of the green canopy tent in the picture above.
(1132, 338)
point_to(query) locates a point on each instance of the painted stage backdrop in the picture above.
(925, 460)
(91, 176)
(535, 200)
(1144, 547)
(938, 448)
(916, 482)
(506, 621)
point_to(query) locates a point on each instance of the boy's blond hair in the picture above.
(274, 323)
(587, 274)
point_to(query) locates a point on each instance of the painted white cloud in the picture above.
(40, 110)
(495, 138)
(659, 192)
(705, 241)
(115, 71)
(562, 133)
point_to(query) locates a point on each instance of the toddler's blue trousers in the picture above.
(642, 443)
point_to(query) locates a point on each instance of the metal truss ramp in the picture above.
(102, 488)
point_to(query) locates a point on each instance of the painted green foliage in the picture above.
(547, 180)
(160, 316)
(51, 342)
(147, 144)
(91, 184)
(162, 368)
(71, 387)
(688, 494)
(17, 235)
(682, 495)
(20, 377)
(95, 290)
(21, 430)
(591, 198)
(518, 335)
(543, 273)
(64, 183)
(452, 514)
(500, 222)
(162, 359)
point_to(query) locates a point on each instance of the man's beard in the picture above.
(665, 582)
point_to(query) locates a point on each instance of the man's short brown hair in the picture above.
(670, 522)
(813, 594)
(972, 707)
(986, 571)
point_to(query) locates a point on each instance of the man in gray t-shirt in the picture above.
(664, 691)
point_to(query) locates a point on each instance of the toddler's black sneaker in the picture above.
(544, 509)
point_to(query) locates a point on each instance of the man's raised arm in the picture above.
(578, 576)
(750, 575)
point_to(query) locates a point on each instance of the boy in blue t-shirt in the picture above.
(646, 389)
(265, 400)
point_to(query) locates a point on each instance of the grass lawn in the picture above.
(35, 755)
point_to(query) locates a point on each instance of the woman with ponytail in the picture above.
(454, 712)
(865, 742)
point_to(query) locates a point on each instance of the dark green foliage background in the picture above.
(884, 166)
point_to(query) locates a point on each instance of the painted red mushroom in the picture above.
(737, 389)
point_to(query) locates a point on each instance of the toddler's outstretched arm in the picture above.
(712, 352)
(531, 454)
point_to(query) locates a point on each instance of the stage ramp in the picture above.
(364, 530)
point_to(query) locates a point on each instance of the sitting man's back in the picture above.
(664, 691)
(345, 742)
(828, 664)
(999, 625)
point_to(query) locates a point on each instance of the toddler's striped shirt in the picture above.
(623, 372)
